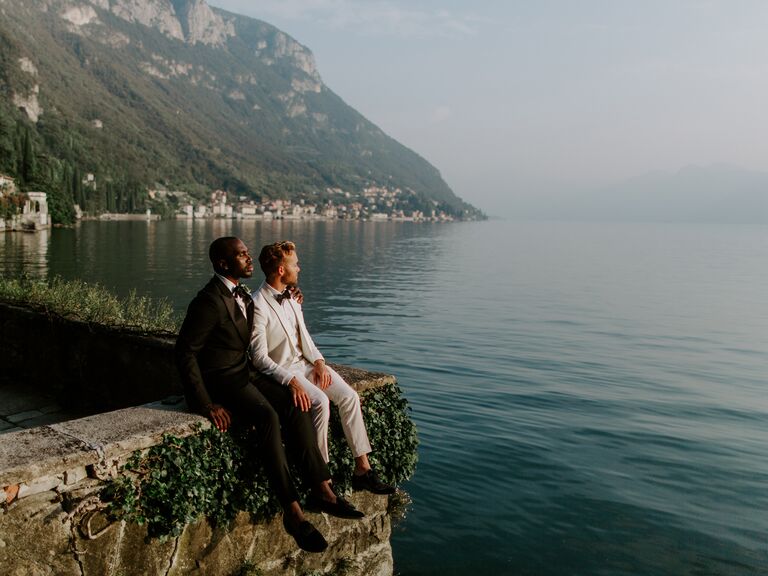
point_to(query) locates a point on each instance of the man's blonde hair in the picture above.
(272, 256)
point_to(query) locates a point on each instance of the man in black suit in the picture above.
(219, 382)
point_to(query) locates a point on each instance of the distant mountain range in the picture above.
(178, 94)
(714, 193)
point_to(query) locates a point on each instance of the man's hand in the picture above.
(220, 417)
(296, 294)
(300, 397)
(321, 375)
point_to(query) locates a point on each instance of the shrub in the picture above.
(92, 303)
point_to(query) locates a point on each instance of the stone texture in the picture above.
(139, 554)
(124, 431)
(39, 452)
(100, 556)
(37, 540)
(38, 485)
(70, 533)
(58, 525)
(362, 380)
(360, 546)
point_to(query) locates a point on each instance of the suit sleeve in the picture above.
(259, 349)
(202, 317)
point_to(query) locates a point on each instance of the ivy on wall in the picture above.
(216, 474)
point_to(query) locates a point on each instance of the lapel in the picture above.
(272, 302)
(303, 334)
(241, 324)
(249, 307)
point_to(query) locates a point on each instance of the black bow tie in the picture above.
(286, 295)
(242, 291)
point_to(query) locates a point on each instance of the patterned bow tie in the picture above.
(242, 291)
(286, 295)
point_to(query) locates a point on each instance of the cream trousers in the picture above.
(344, 397)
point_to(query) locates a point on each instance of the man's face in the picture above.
(290, 266)
(239, 263)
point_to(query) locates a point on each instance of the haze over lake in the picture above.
(590, 397)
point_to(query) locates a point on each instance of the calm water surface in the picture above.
(590, 397)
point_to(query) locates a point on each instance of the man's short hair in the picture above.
(221, 249)
(272, 255)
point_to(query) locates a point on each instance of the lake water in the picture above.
(590, 397)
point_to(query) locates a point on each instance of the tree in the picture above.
(77, 188)
(28, 164)
(7, 142)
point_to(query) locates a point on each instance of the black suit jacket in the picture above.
(212, 347)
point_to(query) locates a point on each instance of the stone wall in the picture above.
(53, 521)
(88, 365)
(56, 523)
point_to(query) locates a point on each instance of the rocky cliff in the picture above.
(181, 94)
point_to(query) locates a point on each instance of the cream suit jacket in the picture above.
(272, 349)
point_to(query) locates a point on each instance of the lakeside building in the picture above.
(7, 183)
(30, 209)
(374, 203)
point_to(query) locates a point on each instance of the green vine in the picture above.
(216, 474)
(391, 432)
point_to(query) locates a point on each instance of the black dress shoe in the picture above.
(370, 481)
(306, 536)
(341, 508)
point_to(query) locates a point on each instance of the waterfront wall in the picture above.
(85, 366)
(53, 521)
(58, 525)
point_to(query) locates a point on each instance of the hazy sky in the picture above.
(513, 100)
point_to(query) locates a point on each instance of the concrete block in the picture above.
(75, 475)
(30, 454)
(362, 380)
(124, 431)
(41, 484)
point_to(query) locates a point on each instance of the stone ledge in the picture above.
(363, 380)
(57, 455)
(51, 457)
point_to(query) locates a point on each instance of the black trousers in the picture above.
(267, 405)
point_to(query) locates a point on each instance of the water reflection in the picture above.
(342, 262)
(590, 399)
(25, 252)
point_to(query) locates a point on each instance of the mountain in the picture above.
(713, 193)
(177, 94)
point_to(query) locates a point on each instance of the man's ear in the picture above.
(223, 265)
(280, 270)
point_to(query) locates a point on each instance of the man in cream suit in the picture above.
(219, 382)
(282, 348)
